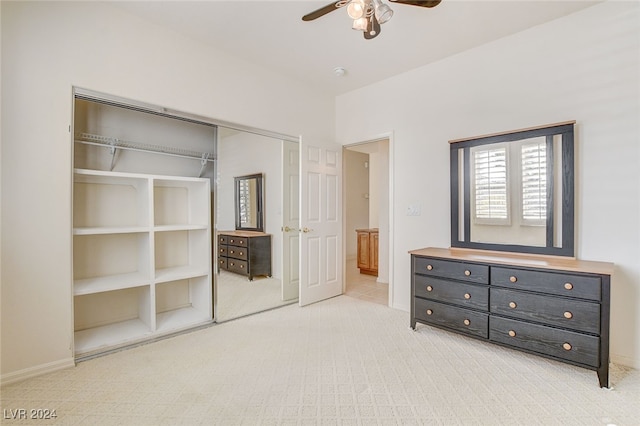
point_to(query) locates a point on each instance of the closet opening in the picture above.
(149, 199)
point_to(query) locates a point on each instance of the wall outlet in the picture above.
(414, 210)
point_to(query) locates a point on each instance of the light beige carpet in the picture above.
(237, 296)
(343, 361)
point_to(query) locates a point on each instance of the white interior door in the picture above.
(290, 220)
(321, 222)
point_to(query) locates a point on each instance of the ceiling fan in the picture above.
(367, 15)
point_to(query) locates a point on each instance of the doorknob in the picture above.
(305, 230)
(286, 229)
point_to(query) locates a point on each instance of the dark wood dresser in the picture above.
(549, 306)
(245, 252)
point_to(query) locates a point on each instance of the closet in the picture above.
(142, 239)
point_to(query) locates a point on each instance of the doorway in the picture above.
(367, 221)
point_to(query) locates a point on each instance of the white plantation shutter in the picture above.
(244, 202)
(534, 182)
(490, 185)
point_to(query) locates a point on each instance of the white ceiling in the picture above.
(272, 33)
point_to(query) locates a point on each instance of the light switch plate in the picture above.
(414, 210)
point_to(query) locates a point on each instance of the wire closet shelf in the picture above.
(114, 144)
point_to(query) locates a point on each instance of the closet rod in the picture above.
(108, 142)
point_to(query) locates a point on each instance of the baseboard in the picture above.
(626, 361)
(38, 370)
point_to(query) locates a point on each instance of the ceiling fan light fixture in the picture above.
(367, 15)
(383, 11)
(356, 9)
(371, 30)
(360, 24)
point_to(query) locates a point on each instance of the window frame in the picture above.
(560, 240)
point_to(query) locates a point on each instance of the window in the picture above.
(244, 201)
(534, 183)
(537, 193)
(491, 193)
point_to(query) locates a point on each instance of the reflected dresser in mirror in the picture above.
(245, 252)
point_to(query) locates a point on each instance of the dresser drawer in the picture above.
(223, 239)
(468, 295)
(237, 252)
(448, 269)
(222, 262)
(459, 319)
(568, 345)
(237, 266)
(237, 241)
(559, 311)
(222, 251)
(581, 286)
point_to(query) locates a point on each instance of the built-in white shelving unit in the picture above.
(141, 257)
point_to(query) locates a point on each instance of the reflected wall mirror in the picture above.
(249, 202)
(514, 191)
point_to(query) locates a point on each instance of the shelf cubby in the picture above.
(110, 261)
(112, 318)
(106, 201)
(182, 254)
(179, 202)
(183, 303)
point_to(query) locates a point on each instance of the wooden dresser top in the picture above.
(246, 234)
(518, 259)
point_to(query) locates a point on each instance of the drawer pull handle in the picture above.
(566, 346)
(241, 253)
(568, 286)
(467, 272)
(231, 264)
(429, 312)
(513, 279)
(221, 250)
(466, 322)
(231, 240)
(231, 251)
(429, 268)
(429, 288)
(241, 242)
(568, 315)
(512, 333)
(512, 305)
(467, 296)
(241, 266)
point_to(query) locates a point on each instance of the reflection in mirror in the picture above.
(239, 155)
(514, 191)
(249, 202)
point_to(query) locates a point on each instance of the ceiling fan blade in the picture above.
(321, 12)
(424, 3)
(373, 28)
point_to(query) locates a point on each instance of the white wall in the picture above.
(47, 48)
(356, 204)
(374, 185)
(582, 67)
